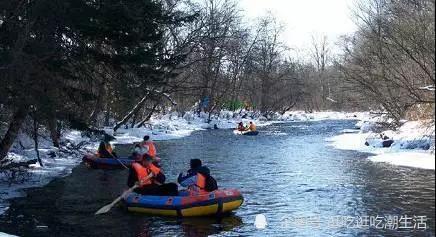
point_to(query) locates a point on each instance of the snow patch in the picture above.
(422, 160)
(6, 235)
(413, 142)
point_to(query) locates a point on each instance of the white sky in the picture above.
(304, 18)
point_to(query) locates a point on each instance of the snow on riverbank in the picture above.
(161, 127)
(56, 163)
(173, 126)
(412, 145)
(422, 160)
(6, 235)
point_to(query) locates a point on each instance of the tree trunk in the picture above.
(14, 128)
(133, 111)
(35, 139)
(54, 134)
(156, 104)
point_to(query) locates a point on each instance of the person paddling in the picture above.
(149, 145)
(155, 185)
(198, 179)
(138, 152)
(252, 127)
(241, 127)
(105, 150)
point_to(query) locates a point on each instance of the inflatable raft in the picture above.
(95, 162)
(209, 204)
(246, 133)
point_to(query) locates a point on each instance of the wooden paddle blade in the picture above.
(108, 207)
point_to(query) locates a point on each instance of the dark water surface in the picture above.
(288, 173)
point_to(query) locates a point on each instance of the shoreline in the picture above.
(166, 127)
(411, 147)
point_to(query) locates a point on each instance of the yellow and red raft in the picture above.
(209, 204)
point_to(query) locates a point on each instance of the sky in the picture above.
(305, 18)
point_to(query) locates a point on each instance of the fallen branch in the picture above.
(23, 164)
(163, 94)
(139, 105)
(428, 88)
(132, 112)
(146, 119)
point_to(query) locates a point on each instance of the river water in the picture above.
(288, 173)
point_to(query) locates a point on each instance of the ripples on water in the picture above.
(286, 172)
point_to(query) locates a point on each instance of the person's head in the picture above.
(195, 163)
(146, 160)
(102, 146)
(146, 138)
(251, 122)
(241, 124)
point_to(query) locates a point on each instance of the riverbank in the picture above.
(60, 162)
(6, 235)
(412, 145)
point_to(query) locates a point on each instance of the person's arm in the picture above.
(132, 179)
(160, 177)
(188, 180)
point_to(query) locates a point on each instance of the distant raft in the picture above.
(209, 204)
(246, 133)
(95, 162)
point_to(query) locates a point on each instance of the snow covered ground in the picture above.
(174, 125)
(56, 163)
(412, 144)
(6, 235)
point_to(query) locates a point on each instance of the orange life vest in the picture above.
(151, 148)
(109, 148)
(199, 187)
(143, 172)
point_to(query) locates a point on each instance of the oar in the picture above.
(119, 161)
(108, 207)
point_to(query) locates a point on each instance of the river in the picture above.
(288, 173)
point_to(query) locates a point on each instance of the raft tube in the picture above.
(246, 133)
(209, 204)
(106, 163)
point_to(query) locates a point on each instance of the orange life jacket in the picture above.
(201, 181)
(199, 187)
(143, 172)
(109, 148)
(151, 148)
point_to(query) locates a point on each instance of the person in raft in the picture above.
(105, 150)
(148, 145)
(155, 186)
(198, 179)
(241, 127)
(138, 152)
(252, 127)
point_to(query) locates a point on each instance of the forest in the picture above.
(85, 64)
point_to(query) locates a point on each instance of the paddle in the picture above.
(108, 207)
(116, 158)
